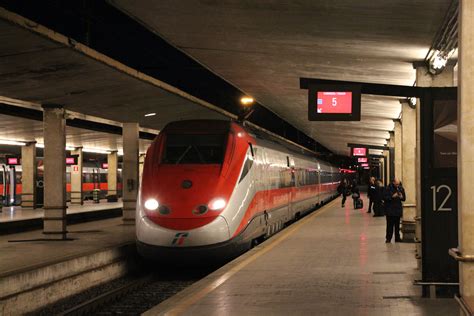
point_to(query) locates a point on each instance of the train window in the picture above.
(247, 166)
(194, 149)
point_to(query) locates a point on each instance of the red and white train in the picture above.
(210, 188)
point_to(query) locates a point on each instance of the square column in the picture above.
(76, 178)
(141, 161)
(423, 79)
(408, 174)
(112, 162)
(130, 171)
(28, 176)
(466, 151)
(54, 130)
(398, 149)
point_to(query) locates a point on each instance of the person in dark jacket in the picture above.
(343, 189)
(371, 194)
(394, 196)
(378, 199)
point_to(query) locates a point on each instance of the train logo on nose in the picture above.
(186, 184)
(179, 238)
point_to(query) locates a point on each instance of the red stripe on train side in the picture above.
(271, 199)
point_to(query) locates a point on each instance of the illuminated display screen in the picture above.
(72, 160)
(363, 159)
(13, 161)
(364, 165)
(359, 151)
(334, 102)
(105, 165)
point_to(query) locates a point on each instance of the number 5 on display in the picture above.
(334, 101)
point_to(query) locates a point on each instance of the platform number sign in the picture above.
(441, 198)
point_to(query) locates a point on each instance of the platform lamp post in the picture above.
(246, 108)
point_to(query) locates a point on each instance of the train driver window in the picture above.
(194, 149)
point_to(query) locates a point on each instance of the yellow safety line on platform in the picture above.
(186, 303)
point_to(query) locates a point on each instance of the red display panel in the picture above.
(13, 161)
(363, 159)
(337, 102)
(105, 165)
(364, 165)
(70, 161)
(359, 151)
(334, 102)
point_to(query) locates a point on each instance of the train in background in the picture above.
(93, 177)
(210, 189)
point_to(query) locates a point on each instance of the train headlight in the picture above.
(151, 204)
(217, 204)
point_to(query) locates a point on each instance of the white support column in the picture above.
(112, 162)
(466, 150)
(398, 150)
(54, 124)
(76, 178)
(408, 175)
(141, 162)
(130, 171)
(28, 176)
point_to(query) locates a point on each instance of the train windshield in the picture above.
(194, 149)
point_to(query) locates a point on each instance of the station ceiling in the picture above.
(46, 68)
(264, 47)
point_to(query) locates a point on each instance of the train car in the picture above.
(93, 177)
(212, 188)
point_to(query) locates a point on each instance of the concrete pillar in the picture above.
(466, 150)
(54, 130)
(141, 161)
(391, 156)
(408, 172)
(398, 150)
(424, 79)
(112, 162)
(76, 178)
(386, 167)
(130, 171)
(28, 176)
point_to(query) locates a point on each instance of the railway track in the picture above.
(129, 296)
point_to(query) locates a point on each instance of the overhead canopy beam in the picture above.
(37, 115)
(368, 146)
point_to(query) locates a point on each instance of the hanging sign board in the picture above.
(334, 102)
(362, 159)
(72, 160)
(359, 151)
(12, 161)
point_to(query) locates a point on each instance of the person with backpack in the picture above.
(394, 196)
(355, 194)
(378, 199)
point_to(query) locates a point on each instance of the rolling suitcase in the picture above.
(359, 203)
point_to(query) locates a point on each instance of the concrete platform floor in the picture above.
(332, 262)
(22, 251)
(16, 213)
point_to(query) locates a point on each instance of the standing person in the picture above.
(394, 196)
(343, 189)
(378, 199)
(371, 193)
(355, 192)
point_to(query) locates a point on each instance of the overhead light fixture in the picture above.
(11, 142)
(246, 101)
(150, 114)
